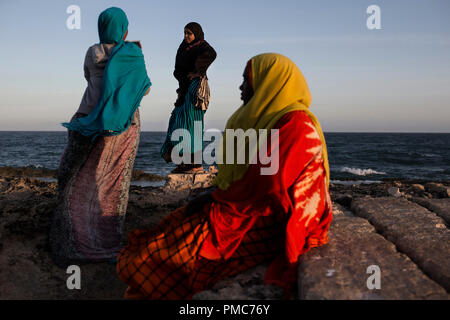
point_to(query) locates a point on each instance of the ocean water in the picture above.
(361, 157)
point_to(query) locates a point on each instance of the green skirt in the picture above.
(190, 118)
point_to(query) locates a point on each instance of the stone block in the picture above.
(338, 270)
(439, 206)
(414, 230)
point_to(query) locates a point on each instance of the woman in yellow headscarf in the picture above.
(250, 217)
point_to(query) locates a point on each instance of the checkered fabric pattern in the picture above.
(164, 263)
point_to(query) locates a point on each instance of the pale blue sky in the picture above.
(396, 79)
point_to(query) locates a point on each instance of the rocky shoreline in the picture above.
(401, 226)
(33, 172)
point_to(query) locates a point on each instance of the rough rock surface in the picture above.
(15, 172)
(438, 189)
(177, 181)
(439, 206)
(26, 271)
(414, 230)
(338, 270)
(248, 285)
(395, 192)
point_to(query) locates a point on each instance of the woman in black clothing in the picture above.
(194, 56)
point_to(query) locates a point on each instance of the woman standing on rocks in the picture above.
(194, 56)
(251, 217)
(96, 167)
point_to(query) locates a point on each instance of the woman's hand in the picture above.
(193, 76)
(180, 100)
(198, 203)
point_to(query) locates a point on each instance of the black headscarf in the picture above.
(196, 30)
(193, 58)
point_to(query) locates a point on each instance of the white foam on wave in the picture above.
(360, 172)
(432, 155)
(37, 166)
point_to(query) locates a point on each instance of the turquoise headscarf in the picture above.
(125, 81)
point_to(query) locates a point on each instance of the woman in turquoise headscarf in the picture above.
(95, 170)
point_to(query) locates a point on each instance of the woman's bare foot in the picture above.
(196, 170)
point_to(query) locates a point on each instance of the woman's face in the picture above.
(246, 88)
(188, 35)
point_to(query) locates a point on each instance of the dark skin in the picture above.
(197, 204)
(189, 37)
(246, 88)
(206, 197)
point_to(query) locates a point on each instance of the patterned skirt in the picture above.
(164, 263)
(93, 184)
(190, 118)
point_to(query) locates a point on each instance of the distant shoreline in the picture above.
(32, 172)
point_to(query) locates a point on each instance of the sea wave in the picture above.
(432, 155)
(352, 182)
(35, 166)
(360, 172)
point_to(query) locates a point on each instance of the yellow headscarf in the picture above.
(279, 87)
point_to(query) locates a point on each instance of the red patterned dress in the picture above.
(258, 218)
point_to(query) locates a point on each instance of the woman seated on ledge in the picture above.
(249, 218)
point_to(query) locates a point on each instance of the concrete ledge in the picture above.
(338, 270)
(439, 206)
(415, 231)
